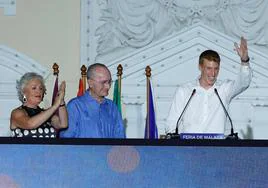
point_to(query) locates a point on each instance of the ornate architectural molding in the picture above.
(13, 65)
(113, 28)
(9, 7)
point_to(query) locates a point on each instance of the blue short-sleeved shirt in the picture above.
(89, 119)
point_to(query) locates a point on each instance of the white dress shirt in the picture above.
(204, 113)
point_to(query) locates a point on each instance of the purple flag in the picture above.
(150, 127)
(55, 90)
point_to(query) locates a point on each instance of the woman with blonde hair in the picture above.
(29, 120)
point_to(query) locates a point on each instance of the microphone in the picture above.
(232, 136)
(176, 134)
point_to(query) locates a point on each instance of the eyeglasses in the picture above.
(105, 82)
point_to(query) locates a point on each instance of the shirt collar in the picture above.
(215, 85)
(90, 98)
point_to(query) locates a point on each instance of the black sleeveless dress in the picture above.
(46, 130)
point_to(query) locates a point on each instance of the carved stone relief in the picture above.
(125, 25)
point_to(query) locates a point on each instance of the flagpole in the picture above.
(55, 68)
(119, 77)
(84, 77)
(56, 71)
(148, 75)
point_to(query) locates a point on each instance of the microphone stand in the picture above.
(233, 135)
(176, 135)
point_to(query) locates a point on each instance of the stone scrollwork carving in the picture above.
(136, 23)
(248, 18)
(186, 13)
(132, 23)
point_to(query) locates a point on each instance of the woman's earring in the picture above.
(24, 99)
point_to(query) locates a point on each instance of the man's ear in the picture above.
(89, 82)
(199, 66)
